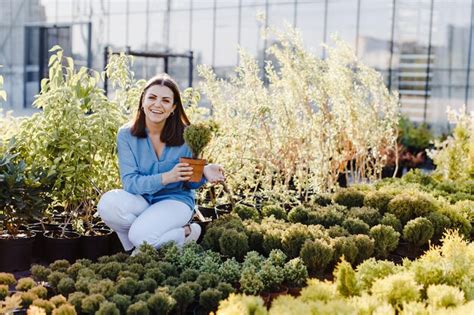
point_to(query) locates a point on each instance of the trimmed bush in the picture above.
(24, 284)
(234, 244)
(275, 210)
(440, 223)
(337, 231)
(356, 226)
(122, 302)
(293, 239)
(110, 270)
(250, 282)
(386, 239)
(209, 299)
(345, 247)
(58, 300)
(44, 304)
(271, 276)
(183, 295)
(127, 286)
(40, 291)
(65, 309)
(229, 271)
(370, 216)
(370, 270)
(418, 231)
(444, 296)
(409, 206)
(208, 280)
(272, 240)
(54, 278)
(295, 272)
(211, 238)
(316, 255)
(397, 289)
(246, 212)
(390, 219)
(155, 274)
(298, 214)
(365, 247)
(7, 278)
(349, 198)
(378, 200)
(91, 304)
(161, 303)
(108, 308)
(76, 299)
(345, 279)
(60, 265)
(66, 286)
(27, 298)
(3, 291)
(138, 308)
(225, 289)
(40, 273)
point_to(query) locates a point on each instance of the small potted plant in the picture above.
(197, 137)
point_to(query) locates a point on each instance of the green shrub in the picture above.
(397, 289)
(253, 259)
(409, 206)
(106, 287)
(337, 231)
(40, 273)
(458, 220)
(110, 270)
(60, 265)
(370, 270)
(137, 268)
(108, 308)
(370, 216)
(356, 226)
(272, 240)
(73, 271)
(7, 278)
(58, 300)
(147, 285)
(378, 200)
(122, 302)
(418, 231)
(229, 271)
(66, 286)
(83, 284)
(209, 299)
(255, 237)
(319, 291)
(250, 282)
(345, 279)
(65, 309)
(390, 219)
(440, 223)
(349, 198)
(76, 299)
(298, 214)
(246, 212)
(316, 255)
(271, 276)
(183, 295)
(91, 303)
(44, 304)
(54, 278)
(24, 284)
(226, 289)
(40, 291)
(208, 280)
(444, 296)
(197, 137)
(127, 286)
(196, 289)
(211, 238)
(277, 257)
(3, 291)
(144, 296)
(189, 275)
(295, 272)
(386, 239)
(322, 199)
(161, 303)
(345, 247)
(86, 273)
(293, 239)
(275, 210)
(242, 304)
(210, 262)
(168, 269)
(155, 274)
(27, 299)
(365, 247)
(138, 308)
(234, 244)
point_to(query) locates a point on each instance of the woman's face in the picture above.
(158, 103)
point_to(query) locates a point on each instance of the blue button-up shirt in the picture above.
(141, 169)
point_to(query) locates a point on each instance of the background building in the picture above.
(422, 47)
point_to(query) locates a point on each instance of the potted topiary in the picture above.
(197, 137)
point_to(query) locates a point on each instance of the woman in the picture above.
(156, 202)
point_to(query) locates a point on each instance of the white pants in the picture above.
(135, 221)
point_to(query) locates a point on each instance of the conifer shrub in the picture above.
(246, 212)
(298, 214)
(106, 287)
(355, 226)
(293, 239)
(378, 200)
(27, 299)
(370, 216)
(440, 223)
(365, 247)
(122, 302)
(66, 286)
(91, 303)
(54, 278)
(127, 286)
(277, 211)
(295, 272)
(60, 265)
(345, 247)
(138, 308)
(389, 219)
(444, 296)
(65, 309)
(110, 270)
(337, 231)
(155, 274)
(7, 278)
(272, 240)
(242, 304)
(75, 299)
(409, 206)
(44, 304)
(272, 276)
(189, 275)
(208, 280)
(226, 289)
(24, 284)
(168, 269)
(345, 279)
(3, 291)
(397, 289)
(40, 273)
(371, 269)
(349, 198)
(147, 285)
(197, 137)
(229, 271)
(108, 308)
(40, 291)
(234, 244)
(385, 238)
(211, 238)
(58, 300)
(73, 270)
(418, 231)
(209, 299)
(316, 255)
(250, 282)
(183, 295)
(161, 303)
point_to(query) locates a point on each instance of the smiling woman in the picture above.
(157, 200)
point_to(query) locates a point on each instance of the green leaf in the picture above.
(55, 48)
(3, 95)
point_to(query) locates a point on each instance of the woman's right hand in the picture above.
(181, 172)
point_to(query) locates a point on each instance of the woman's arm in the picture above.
(132, 180)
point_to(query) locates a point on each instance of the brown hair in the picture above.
(172, 133)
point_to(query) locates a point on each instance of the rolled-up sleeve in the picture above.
(132, 180)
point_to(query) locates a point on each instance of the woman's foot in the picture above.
(191, 232)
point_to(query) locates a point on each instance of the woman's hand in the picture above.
(214, 173)
(181, 172)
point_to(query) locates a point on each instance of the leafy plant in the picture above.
(316, 255)
(409, 206)
(295, 272)
(418, 231)
(138, 308)
(250, 282)
(356, 226)
(294, 238)
(246, 212)
(345, 278)
(197, 137)
(234, 244)
(108, 308)
(349, 198)
(388, 288)
(298, 214)
(386, 239)
(161, 303)
(209, 299)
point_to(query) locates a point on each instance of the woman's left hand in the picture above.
(214, 173)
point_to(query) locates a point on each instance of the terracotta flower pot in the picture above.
(198, 168)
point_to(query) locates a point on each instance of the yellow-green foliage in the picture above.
(24, 284)
(241, 304)
(389, 288)
(345, 278)
(197, 137)
(443, 295)
(7, 278)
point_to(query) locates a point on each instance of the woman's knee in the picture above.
(114, 204)
(138, 236)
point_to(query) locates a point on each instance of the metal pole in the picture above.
(106, 61)
(325, 38)
(295, 13)
(392, 36)
(239, 29)
(357, 28)
(214, 14)
(191, 25)
(428, 62)
(89, 45)
(190, 78)
(466, 95)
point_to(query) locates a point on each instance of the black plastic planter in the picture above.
(115, 246)
(61, 248)
(208, 212)
(16, 253)
(95, 246)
